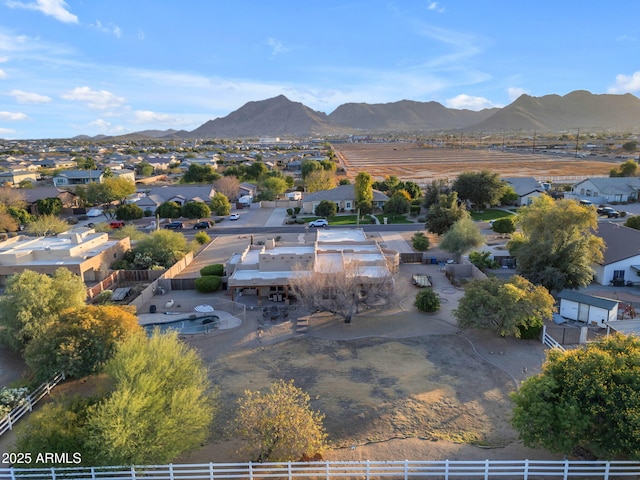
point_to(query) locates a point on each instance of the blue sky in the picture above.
(117, 66)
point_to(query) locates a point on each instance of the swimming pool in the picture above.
(187, 326)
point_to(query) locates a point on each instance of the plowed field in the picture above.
(409, 161)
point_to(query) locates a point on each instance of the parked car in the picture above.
(202, 225)
(234, 216)
(320, 222)
(609, 212)
(174, 226)
(116, 224)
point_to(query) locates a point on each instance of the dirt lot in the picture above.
(408, 161)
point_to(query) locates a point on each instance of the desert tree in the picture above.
(444, 213)
(169, 210)
(398, 204)
(507, 307)
(343, 290)
(584, 398)
(32, 301)
(279, 425)
(420, 242)
(318, 180)
(363, 189)
(159, 248)
(80, 341)
(45, 225)
(12, 197)
(462, 237)
(229, 186)
(49, 206)
(162, 403)
(504, 226)
(557, 247)
(434, 189)
(129, 211)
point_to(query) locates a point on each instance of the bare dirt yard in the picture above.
(394, 384)
(409, 161)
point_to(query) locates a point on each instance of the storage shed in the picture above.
(587, 308)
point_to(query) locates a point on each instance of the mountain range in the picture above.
(281, 117)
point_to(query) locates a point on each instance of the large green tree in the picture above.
(586, 397)
(45, 225)
(318, 180)
(479, 188)
(195, 210)
(160, 248)
(80, 341)
(33, 301)
(49, 206)
(169, 210)
(220, 204)
(326, 208)
(199, 174)
(434, 189)
(507, 307)
(398, 204)
(363, 188)
(444, 213)
(462, 237)
(162, 403)
(557, 247)
(111, 190)
(279, 425)
(129, 211)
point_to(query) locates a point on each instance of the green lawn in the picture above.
(342, 220)
(490, 214)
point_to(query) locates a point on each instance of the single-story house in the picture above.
(180, 194)
(32, 195)
(247, 189)
(621, 256)
(14, 177)
(606, 189)
(589, 309)
(527, 188)
(78, 177)
(343, 196)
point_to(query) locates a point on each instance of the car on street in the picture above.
(610, 212)
(319, 222)
(116, 224)
(234, 216)
(174, 226)
(202, 225)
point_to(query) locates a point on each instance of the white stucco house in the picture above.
(606, 190)
(621, 256)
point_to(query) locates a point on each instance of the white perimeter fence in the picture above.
(487, 469)
(26, 405)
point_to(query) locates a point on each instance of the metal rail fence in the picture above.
(406, 469)
(27, 404)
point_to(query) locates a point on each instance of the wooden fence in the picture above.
(28, 403)
(405, 469)
(123, 277)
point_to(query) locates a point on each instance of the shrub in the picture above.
(427, 301)
(208, 283)
(202, 238)
(11, 398)
(289, 211)
(420, 241)
(148, 213)
(215, 269)
(296, 210)
(103, 297)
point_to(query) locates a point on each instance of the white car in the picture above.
(320, 222)
(234, 216)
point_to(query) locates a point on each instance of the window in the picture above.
(347, 204)
(618, 274)
(588, 193)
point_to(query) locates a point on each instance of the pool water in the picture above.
(187, 325)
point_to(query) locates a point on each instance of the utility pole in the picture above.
(577, 140)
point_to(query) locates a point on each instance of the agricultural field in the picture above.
(420, 164)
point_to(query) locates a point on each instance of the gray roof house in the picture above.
(621, 263)
(606, 189)
(180, 194)
(344, 197)
(527, 188)
(78, 177)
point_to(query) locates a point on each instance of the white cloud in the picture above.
(98, 99)
(435, 7)
(29, 97)
(111, 28)
(3, 74)
(106, 127)
(12, 116)
(5, 131)
(4, 59)
(468, 102)
(515, 92)
(54, 8)
(277, 46)
(626, 83)
(147, 116)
